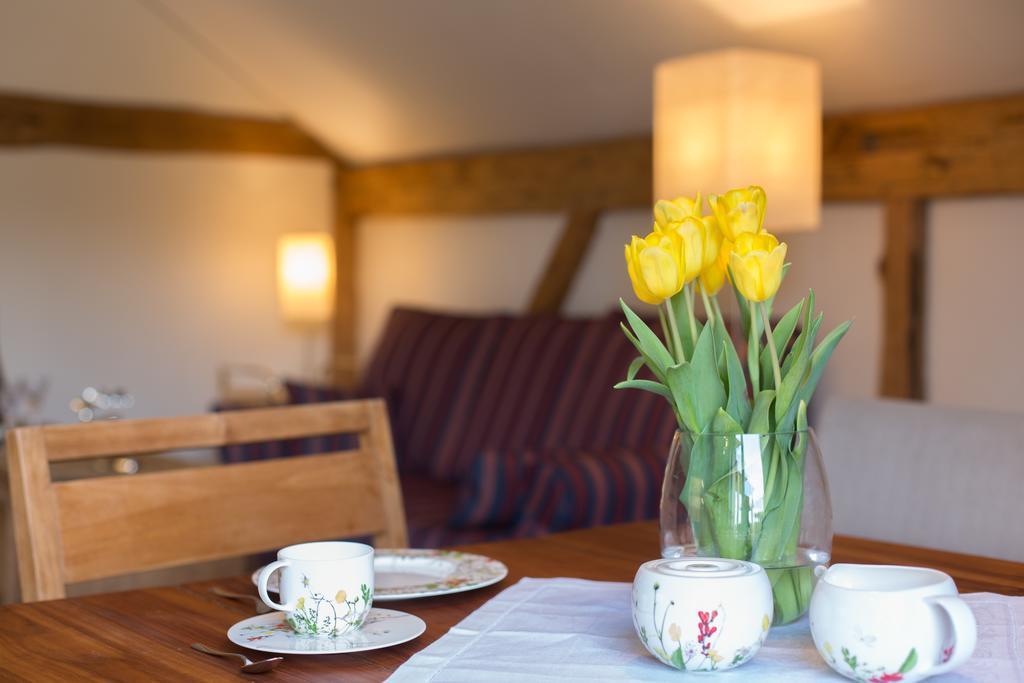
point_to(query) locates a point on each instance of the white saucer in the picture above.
(406, 574)
(271, 633)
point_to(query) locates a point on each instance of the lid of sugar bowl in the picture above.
(701, 568)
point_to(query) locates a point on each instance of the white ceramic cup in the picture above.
(326, 588)
(886, 623)
(702, 613)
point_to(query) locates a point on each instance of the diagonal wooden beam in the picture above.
(37, 121)
(554, 285)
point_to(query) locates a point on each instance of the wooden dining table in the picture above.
(145, 635)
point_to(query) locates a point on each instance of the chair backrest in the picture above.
(73, 531)
(925, 475)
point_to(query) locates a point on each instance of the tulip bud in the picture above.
(739, 211)
(655, 266)
(667, 212)
(757, 262)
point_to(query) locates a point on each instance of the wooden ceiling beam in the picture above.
(962, 148)
(36, 121)
(604, 175)
(941, 150)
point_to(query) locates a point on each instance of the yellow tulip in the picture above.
(691, 231)
(712, 241)
(712, 278)
(739, 211)
(667, 212)
(300, 604)
(674, 632)
(655, 265)
(756, 262)
(715, 275)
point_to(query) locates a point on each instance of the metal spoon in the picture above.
(248, 666)
(261, 607)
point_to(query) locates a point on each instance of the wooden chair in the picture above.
(74, 531)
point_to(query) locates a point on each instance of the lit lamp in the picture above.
(305, 277)
(305, 287)
(741, 117)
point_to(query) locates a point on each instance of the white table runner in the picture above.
(571, 630)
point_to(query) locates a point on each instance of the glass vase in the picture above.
(757, 497)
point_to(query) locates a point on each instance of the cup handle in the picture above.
(965, 632)
(261, 584)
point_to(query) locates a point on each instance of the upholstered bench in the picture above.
(508, 425)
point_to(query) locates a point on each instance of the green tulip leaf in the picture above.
(800, 449)
(679, 379)
(760, 415)
(819, 359)
(801, 339)
(634, 367)
(699, 380)
(725, 424)
(782, 333)
(659, 374)
(682, 310)
(646, 385)
(791, 383)
(737, 403)
(743, 304)
(649, 344)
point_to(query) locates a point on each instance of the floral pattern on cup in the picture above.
(697, 653)
(321, 615)
(866, 673)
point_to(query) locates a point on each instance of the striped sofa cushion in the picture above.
(423, 359)
(494, 490)
(546, 386)
(593, 488)
(589, 414)
(510, 389)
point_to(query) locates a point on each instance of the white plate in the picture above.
(408, 573)
(271, 633)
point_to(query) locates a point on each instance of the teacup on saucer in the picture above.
(326, 588)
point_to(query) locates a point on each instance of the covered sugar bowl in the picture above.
(702, 613)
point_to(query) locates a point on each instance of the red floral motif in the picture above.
(885, 678)
(947, 654)
(705, 629)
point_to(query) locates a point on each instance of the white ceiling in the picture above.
(386, 79)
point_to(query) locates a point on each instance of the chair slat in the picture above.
(116, 525)
(134, 437)
(315, 419)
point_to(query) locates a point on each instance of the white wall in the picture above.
(148, 271)
(487, 263)
(973, 333)
(975, 327)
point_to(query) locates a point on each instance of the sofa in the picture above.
(506, 426)
(925, 475)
